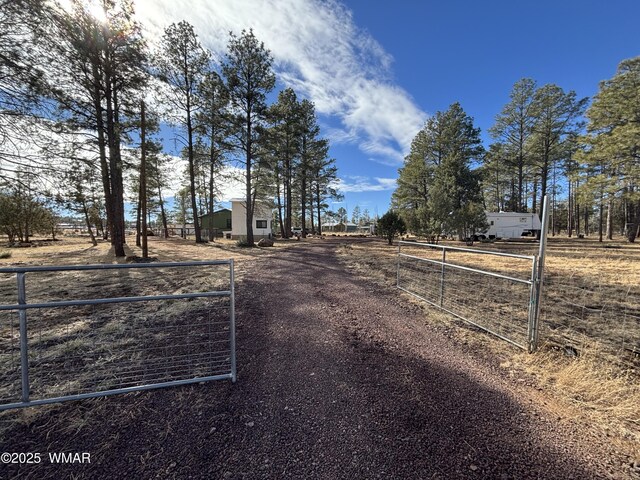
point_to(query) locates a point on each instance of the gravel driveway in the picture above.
(338, 378)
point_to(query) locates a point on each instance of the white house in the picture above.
(262, 220)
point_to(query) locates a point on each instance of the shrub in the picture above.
(5, 254)
(391, 225)
(242, 242)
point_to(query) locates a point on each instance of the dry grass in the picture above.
(79, 349)
(604, 395)
(597, 387)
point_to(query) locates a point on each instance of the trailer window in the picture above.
(491, 222)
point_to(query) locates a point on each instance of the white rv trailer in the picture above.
(511, 225)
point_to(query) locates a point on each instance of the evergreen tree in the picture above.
(416, 177)
(390, 225)
(498, 188)
(284, 145)
(557, 117)
(612, 145)
(456, 198)
(323, 174)
(314, 152)
(513, 128)
(436, 188)
(182, 63)
(249, 79)
(100, 70)
(213, 122)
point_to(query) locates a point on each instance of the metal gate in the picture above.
(469, 284)
(96, 330)
(477, 290)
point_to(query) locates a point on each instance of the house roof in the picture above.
(217, 211)
(333, 224)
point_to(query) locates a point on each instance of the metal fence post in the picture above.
(540, 274)
(24, 345)
(532, 306)
(232, 321)
(444, 259)
(398, 267)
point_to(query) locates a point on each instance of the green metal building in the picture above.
(219, 220)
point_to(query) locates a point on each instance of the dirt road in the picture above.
(338, 378)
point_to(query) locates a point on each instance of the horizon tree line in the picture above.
(101, 92)
(546, 142)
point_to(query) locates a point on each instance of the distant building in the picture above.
(262, 220)
(341, 227)
(218, 221)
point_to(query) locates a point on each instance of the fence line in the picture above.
(81, 348)
(575, 314)
(503, 305)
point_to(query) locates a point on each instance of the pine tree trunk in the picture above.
(577, 209)
(212, 160)
(143, 179)
(570, 211)
(633, 229)
(601, 219)
(318, 200)
(586, 221)
(192, 173)
(534, 206)
(288, 195)
(311, 217)
(88, 222)
(249, 219)
(163, 215)
(115, 170)
(303, 201)
(138, 215)
(610, 219)
(281, 224)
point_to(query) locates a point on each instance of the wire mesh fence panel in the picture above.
(96, 331)
(576, 315)
(10, 377)
(497, 298)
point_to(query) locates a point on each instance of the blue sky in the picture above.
(376, 70)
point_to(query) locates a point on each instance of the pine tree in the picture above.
(513, 128)
(456, 198)
(182, 63)
(284, 145)
(313, 152)
(100, 69)
(557, 118)
(214, 125)
(249, 79)
(613, 140)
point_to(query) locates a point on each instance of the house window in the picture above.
(491, 222)
(261, 224)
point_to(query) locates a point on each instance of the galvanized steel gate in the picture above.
(477, 290)
(76, 348)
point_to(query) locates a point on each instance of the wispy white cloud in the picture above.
(229, 181)
(320, 52)
(360, 184)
